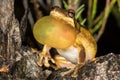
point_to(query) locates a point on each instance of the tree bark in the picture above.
(16, 61)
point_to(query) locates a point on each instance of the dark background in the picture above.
(110, 40)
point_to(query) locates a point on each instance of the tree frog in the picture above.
(61, 31)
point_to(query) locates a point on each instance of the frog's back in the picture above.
(88, 42)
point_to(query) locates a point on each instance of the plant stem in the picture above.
(109, 5)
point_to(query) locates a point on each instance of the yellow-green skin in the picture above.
(54, 32)
(73, 42)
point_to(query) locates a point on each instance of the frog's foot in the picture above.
(61, 62)
(67, 72)
(44, 56)
(73, 71)
(44, 59)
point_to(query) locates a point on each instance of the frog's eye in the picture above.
(71, 13)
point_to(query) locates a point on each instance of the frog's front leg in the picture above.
(44, 57)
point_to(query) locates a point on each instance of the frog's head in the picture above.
(63, 15)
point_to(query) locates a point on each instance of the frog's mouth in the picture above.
(70, 54)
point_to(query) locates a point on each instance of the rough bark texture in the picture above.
(103, 68)
(18, 62)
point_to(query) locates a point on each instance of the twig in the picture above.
(57, 3)
(73, 4)
(109, 5)
(89, 13)
(94, 9)
(98, 18)
(36, 8)
(30, 18)
(42, 4)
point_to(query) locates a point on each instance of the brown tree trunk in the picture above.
(16, 61)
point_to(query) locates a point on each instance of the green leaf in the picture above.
(65, 5)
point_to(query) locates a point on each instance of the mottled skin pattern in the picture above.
(73, 56)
